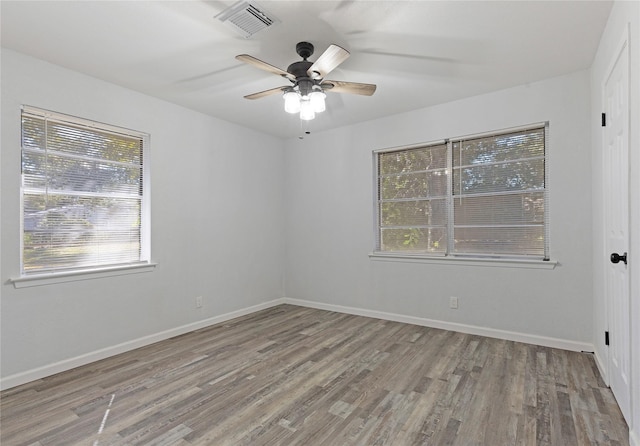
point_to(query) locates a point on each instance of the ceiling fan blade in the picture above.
(349, 87)
(264, 66)
(327, 62)
(262, 94)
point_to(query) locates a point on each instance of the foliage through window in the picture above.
(83, 199)
(478, 196)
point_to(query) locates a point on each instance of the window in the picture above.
(477, 196)
(83, 201)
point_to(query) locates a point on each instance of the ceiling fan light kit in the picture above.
(307, 94)
(306, 104)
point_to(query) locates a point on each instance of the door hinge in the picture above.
(606, 338)
(604, 120)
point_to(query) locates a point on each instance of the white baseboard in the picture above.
(68, 364)
(601, 363)
(463, 328)
(634, 438)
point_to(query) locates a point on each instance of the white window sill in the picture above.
(505, 263)
(72, 276)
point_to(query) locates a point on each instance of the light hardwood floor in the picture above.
(298, 376)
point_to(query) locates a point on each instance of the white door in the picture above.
(616, 206)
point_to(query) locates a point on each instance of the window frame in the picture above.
(463, 258)
(143, 263)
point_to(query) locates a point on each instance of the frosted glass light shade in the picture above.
(306, 110)
(317, 101)
(291, 102)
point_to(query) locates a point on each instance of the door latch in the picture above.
(616, 258)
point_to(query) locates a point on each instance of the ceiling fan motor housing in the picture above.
(299, 69)
(304, 49)
(305, 86)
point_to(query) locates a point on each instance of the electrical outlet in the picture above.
(453, 302)
(199, 302)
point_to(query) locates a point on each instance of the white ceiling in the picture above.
(419, 53)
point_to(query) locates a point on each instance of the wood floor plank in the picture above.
(300, 376)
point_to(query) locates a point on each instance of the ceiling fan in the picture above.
(308, 83)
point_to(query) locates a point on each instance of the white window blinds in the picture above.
(480, 196)
(82, 193)
(499, 194)
(412, 200)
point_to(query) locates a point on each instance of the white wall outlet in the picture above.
(199, 302)
(453, 302)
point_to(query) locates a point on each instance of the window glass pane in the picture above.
(414, 240)
(33, 132)
(424, 158)
(92, 176)
(527, 208)
(414, 185)
(34, 169)
(502, 171)
(413, 225)
(75, 140)
(521, 175)
(64, 231)
(500, 241)
(414, 213)
(492, 149)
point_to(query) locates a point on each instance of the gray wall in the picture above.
(217, 218)
(329, 197)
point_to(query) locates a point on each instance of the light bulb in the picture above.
(291, 101)
(306, 109)
(317, 100)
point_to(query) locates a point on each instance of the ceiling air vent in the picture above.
(246, 18)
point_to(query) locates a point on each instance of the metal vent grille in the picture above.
(246, 18)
